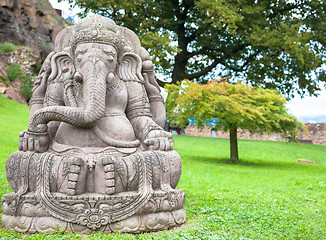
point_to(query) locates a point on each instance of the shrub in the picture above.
(8, 47)
(26, 86)
(13, 71)
(4, 80)
(26, 83)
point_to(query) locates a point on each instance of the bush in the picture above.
(13, 71)
(8, 47)
(26, 83)
(4, 80)
(26, 86)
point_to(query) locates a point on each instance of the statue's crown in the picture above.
(97, 29)
(96, 35)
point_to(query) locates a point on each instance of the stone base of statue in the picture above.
(134, 194)
(32, 218)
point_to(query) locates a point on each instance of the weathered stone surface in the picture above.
(3, 87)
(135, 224)
(95, 156)
(32, 23)
(7, 3)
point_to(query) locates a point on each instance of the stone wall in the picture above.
(317, 134)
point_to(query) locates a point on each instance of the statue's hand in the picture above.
(33, 141)
(159, 140)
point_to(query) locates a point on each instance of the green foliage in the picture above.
(267, 196)
(33, 26)
(26, 83)
(58, 18)
(13, 71)
(4, 80)
(278, 44)
(8, 47)
(236, 106)
(26, 87)
(37, 68)
(256, 109)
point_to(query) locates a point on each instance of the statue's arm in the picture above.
(155, 98)
(54, 97)
(138, 112)
(39, 142)
(45, 93)
(37, 100)
(152, 88)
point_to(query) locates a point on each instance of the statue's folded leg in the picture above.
(52, 186)
(67, 174)
(166, 168)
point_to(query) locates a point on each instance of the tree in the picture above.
(236, 106)
(278, 44)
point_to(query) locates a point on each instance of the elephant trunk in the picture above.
(94, 97)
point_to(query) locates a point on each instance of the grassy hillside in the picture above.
(267, 196)
(13, 119)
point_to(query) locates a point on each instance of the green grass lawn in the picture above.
(267, 196)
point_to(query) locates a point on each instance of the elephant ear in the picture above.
(130, 67)
(62, 72)
(62, 67)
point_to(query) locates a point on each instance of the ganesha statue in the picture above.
(95, 156)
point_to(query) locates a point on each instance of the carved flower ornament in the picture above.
(94, 218)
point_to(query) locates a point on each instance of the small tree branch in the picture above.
(202, 51)
(204, 71)
(288, 8)
(161, 83)
(243, 66)
(190, 38)
(250, 58)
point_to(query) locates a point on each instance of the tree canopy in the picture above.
(276, 44)
(236, 106)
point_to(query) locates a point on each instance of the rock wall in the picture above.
(32, 23)
(317, 134)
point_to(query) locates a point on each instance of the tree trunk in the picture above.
(179, 68)
(234, 143)
(180, 60)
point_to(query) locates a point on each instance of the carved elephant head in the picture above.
(93, 65)
(88, 55)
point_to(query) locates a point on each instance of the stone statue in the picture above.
(95, 156)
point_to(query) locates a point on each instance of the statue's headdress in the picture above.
(98, 29)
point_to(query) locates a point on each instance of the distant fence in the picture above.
(317, 133)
